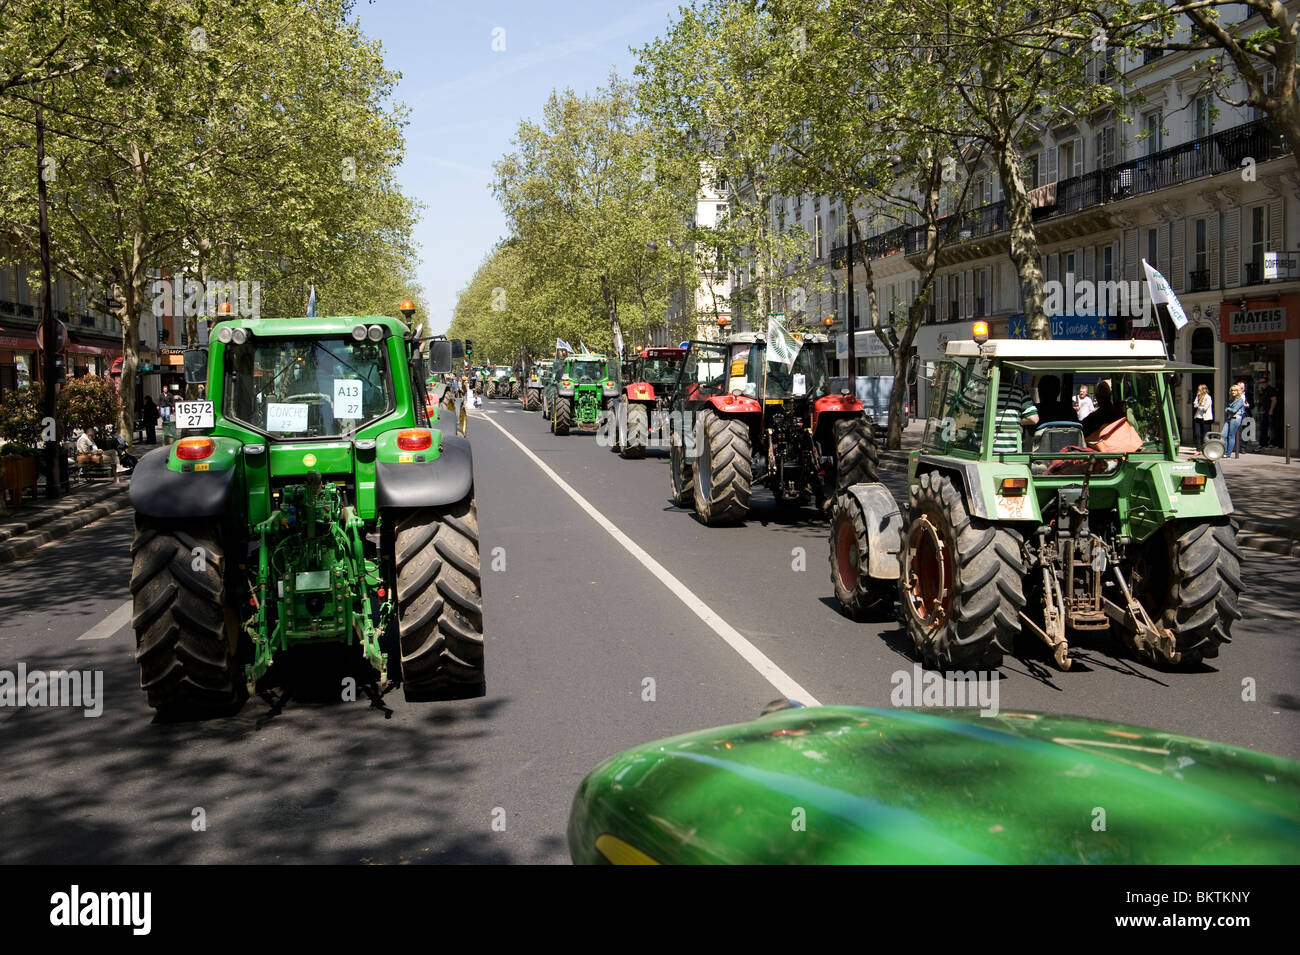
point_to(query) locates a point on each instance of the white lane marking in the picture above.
(784, 683)
(110, 625)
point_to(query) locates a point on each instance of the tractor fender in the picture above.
(884, 529)
(446, 479)
(1221, 489)
(965, 476)
(735, 404)
(157, 491)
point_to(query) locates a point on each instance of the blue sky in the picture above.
(467, 100)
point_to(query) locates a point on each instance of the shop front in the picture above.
(1261, 347)
(17, 362)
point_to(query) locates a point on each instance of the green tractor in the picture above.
(1048, 527)
(533, 384)
(579, 391)
(502, 383)
(315, 523)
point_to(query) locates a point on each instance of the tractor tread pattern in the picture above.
(638, 432)
(988, 583)
(856, 459)
(440, 602)
(179, 618)
(563, 416)
(870, 599)
(1206, 586)
(731, 472)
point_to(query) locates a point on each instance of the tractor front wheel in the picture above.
(638, 431)
(563, 417)
(962, 585)
(860, 596)
(530, 399)
(440, 602)
(681, 474)
(514, 389)
(723, 475)
(185, 634)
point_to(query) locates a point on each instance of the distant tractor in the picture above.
(533, 384)
(1060, 527)
(740, 419)
(581, 388)
(320, 522)
(648, 389)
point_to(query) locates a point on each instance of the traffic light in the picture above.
(469, 347)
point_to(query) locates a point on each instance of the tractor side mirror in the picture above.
(440, 357)
(458, 349)
(196, 366)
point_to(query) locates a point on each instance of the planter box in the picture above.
(18, 474)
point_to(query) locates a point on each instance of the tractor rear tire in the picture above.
(638, 432)
(563, 418)
(962, 584)
(1198, 600)
(681, 474)
(186, 636)
(514, 389)
(856, 458)
(723, 473)
(440, 602)
(860, 597)
(530, 399)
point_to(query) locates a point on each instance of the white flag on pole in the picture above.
(1162, 293)
(781, 345)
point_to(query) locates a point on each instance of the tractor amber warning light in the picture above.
(981, 331)
(195, 449)
(1194, 482)
(415, 439)
(1013, 486)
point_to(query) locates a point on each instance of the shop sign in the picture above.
(1257, 321)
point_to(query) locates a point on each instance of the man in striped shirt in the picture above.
(1015, 411)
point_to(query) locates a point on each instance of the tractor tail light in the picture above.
(566, 383)
(1193, 482)
(415, 439)
(1013, 487)
(195, 449)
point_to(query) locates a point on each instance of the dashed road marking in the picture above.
(110, 625)
(784, 683)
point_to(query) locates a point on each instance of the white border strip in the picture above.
(110, 625)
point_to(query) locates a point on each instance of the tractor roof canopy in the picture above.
(1004, 348)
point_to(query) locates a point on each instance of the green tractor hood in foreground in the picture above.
(858, 785)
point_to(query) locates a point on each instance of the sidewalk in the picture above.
(1263, 489)
(25, 527)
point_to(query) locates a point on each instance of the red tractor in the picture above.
(646, 400)
(739, 419)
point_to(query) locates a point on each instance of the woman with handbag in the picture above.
(1203, 415)
(1233, 414)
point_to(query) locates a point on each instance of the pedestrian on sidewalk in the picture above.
(149, 414)
(1203, 416)
(1267, 400)
(1233, 414)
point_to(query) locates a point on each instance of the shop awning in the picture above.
(1102, 366)
(17, 344)
(79, 348)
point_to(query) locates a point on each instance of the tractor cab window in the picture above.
(659, 370)
(956, 419)
(307, 388)
(807, 376)
(706, 368)
(1132, 395)
(587, 371)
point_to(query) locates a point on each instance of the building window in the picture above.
(1153, 248)
(1106, 147)
(1256, 113)
(1255, 249)
(1029, 170)
(1107, 264)
(1154, 132)
(1202, 116)
(1199, 280)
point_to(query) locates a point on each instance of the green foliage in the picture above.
(21, 413)
(90, 403)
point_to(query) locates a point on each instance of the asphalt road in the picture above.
(596, 640)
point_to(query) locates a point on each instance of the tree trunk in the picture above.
(1024, 242)
(130, 361)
